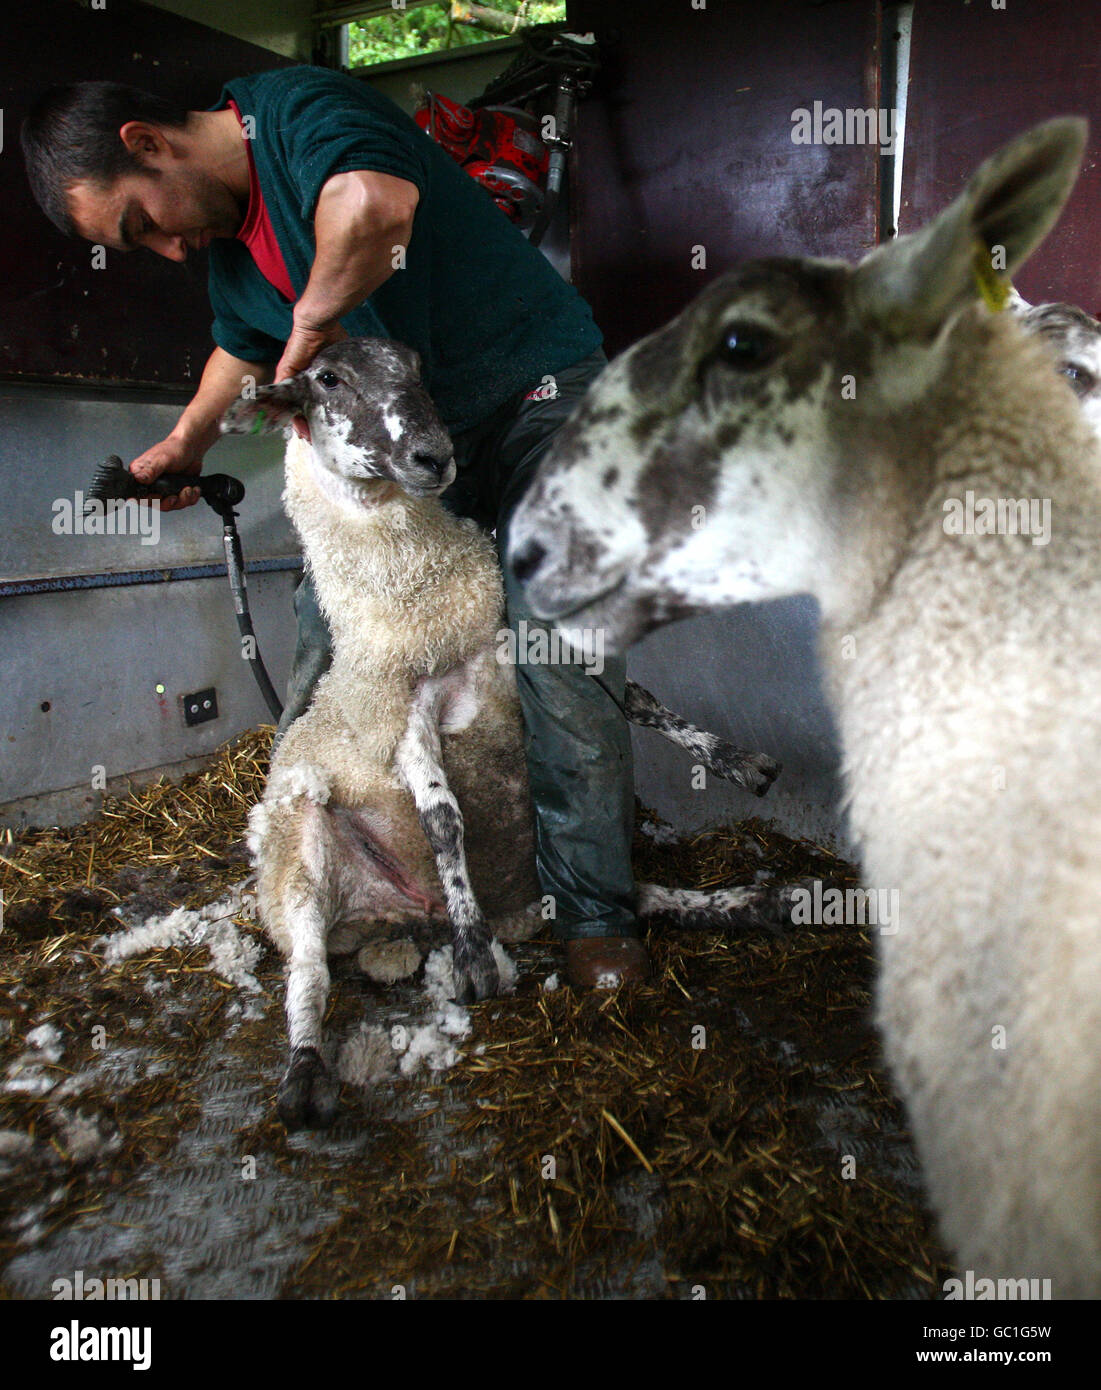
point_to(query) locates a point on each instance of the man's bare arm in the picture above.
(196, 430)
(361, 217)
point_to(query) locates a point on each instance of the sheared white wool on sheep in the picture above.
(288, 783)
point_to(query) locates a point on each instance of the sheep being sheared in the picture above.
(400, 798)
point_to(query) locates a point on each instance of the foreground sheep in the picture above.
(876, 437)
(400, 799)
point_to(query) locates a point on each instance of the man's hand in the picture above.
(305, 342)
(171, 455)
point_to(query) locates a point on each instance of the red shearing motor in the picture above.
(497, 145)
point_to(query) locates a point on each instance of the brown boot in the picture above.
(606, 962)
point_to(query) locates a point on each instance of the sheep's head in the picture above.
(768, 441)
(361, 406)
(1074, 340)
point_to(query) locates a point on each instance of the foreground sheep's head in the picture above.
(361, 406)
(728, 457)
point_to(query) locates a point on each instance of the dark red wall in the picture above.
(142, 319)
(978, 76)
(687, 141)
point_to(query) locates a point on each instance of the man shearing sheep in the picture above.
(327, 212)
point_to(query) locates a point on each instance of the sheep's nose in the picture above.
(527, 560)
(437, 464)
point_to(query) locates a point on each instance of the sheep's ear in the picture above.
(1017, 304)
(267, 410)
(911, 286)
(412, 357)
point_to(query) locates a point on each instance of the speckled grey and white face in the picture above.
(713, 463)
(666, 492)
(362, 407)
(1074, 339)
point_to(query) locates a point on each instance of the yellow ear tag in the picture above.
(994, 286)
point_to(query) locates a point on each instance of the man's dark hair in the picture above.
(72, 134)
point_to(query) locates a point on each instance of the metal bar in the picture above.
(105, 579)
(327, 15)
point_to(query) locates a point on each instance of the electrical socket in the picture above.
(199, 706)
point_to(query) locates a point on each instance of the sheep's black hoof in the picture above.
(754, 771)
(309, 1095)
(475, 970)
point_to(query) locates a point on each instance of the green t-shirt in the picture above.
(486, 311)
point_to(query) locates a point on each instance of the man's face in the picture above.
(173, 208)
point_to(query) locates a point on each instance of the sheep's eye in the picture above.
(748, 346)
(329, 380)
(1080, 379)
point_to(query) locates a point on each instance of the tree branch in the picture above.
(483, 17)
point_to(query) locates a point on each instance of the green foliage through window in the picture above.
(404, 33)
